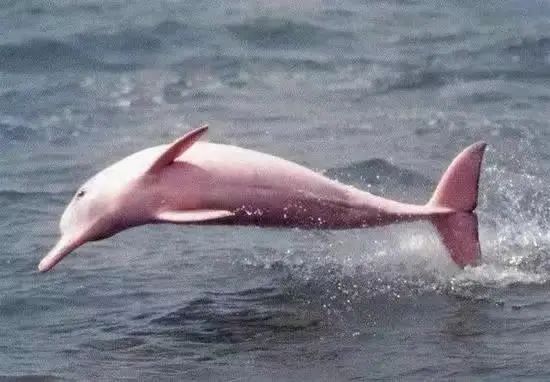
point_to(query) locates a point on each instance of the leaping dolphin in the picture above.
(191, 182)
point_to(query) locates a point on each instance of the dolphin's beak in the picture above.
(64, 246)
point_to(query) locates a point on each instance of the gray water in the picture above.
(379, 94)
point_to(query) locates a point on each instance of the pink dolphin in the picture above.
(190, 182)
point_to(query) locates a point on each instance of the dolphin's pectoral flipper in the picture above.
(192, 216)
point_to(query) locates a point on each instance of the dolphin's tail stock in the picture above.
(457, 190)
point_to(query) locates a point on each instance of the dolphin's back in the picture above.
(239, 167)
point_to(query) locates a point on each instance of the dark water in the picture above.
(378, 94)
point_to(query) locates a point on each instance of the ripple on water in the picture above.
(228, 319)
(37, 54)
(269, 32)
(30, 378)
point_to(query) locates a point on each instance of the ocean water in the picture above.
(379, 94)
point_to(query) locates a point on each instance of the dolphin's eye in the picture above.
(80, 193)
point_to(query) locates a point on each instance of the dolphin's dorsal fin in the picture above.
(191, 216)
(177, 148)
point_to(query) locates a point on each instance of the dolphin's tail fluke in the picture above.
(458, 232)
(457, 190)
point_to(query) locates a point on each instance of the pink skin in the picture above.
(190, 182)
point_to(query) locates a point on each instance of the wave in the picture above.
(178, 34)
(381, 177)
(18, 130)
(442, 37)
(30, 378)
(238, 72)
(358, 77)
(125, 41)
(227, 320)
(268, 32)
(520, 59)
(118, 51)
(8, 197)
(37, 9)
(13, 131)
(530, 50)
(117, 344)
(43, 55)
(355, 76)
